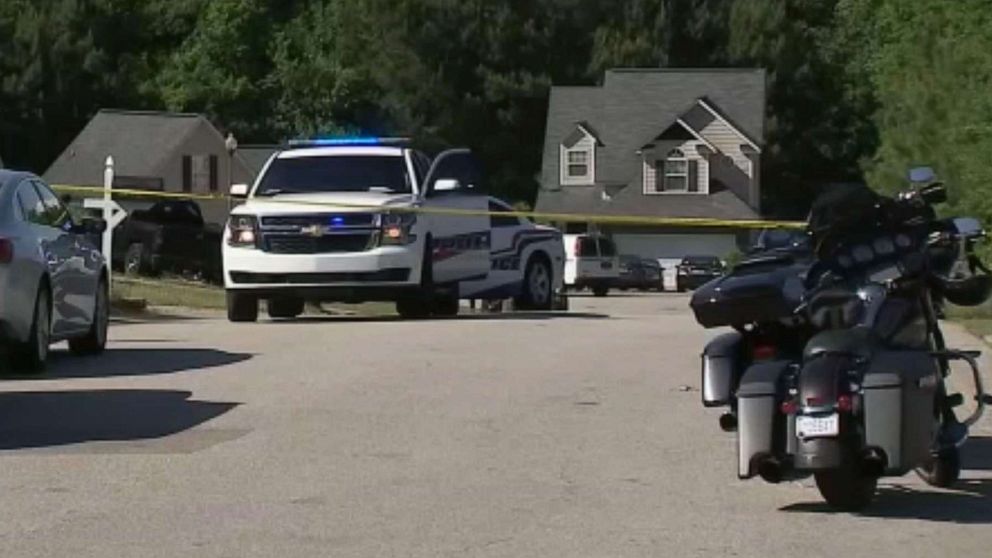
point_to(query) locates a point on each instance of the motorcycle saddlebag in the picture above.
(899, 393)
(721, 369)
(761, 290)
(759, 423)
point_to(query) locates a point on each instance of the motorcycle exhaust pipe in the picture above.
(728, 422)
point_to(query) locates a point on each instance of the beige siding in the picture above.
(728, 142)
(729, 165)
(650, 177)
(649, 183)
(704, 176)
(204, 141)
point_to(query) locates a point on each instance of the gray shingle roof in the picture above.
(255, 156)
(140, 142)
(631, 108)
(607, 200)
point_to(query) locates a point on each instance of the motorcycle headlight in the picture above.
(397, 229)
(242, 231)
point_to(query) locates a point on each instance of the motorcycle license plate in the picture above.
(818, 427)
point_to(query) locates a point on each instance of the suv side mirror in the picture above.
(239, 191)
(447, 185)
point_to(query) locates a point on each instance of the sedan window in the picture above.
(56, 214)
(32, 207)
(498, 221)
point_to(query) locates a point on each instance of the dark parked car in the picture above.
(695, 271)
(654, 275)
(640, 274)
(780, 240)
(169, 236)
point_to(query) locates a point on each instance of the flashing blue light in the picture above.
(346, 141)
(337, 221)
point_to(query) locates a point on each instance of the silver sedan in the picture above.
(53, 278)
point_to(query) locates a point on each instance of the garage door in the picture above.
(669, 249)
(676, 246)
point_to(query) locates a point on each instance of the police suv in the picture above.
(358, 220)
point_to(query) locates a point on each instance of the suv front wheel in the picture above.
(241, 307)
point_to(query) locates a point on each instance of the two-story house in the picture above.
(658, 143)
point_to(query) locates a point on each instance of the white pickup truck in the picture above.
(360, 220)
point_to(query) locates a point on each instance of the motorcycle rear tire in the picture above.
(943, 470)
(847, 488)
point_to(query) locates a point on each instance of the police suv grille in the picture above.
(319, 233)
(331, 244)
(343, 220)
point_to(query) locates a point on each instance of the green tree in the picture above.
(222, 67)
(931, 70)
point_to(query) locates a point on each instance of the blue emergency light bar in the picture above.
(349, 142)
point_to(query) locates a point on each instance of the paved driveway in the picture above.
(509, 436)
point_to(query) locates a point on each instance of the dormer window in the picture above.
(676, 172)
(578, 164)
(578, 158)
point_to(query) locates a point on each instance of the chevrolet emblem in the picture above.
(315, 231)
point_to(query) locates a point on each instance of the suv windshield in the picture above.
(339, 173)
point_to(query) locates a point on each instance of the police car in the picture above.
(527, 262)
(367, 219)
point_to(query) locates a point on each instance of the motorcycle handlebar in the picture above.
(931, 194)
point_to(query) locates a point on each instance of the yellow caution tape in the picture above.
(685, 222)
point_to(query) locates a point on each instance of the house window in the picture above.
(578, 163)
(675, 172)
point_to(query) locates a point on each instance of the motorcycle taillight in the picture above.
(762, 351)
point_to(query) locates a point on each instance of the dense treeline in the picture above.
(856, 87)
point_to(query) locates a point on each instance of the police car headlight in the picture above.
(242, 231)
(397, 229)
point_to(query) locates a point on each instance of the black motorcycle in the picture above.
(838, 365)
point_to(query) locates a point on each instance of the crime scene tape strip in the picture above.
(686, 222)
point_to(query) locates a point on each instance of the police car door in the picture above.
(459, 242)
(506, 247)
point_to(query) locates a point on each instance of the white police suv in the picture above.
(356, 220)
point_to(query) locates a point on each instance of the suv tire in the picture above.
(285, 308)
(241, 307)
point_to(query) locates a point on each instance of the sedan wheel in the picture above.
(31, 357)
(95, 341)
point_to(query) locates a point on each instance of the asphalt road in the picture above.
(578, 436)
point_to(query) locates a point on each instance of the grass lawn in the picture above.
(132, 294)
(167, 292)
(977, 320)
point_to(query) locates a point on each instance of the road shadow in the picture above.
(131, 362)
(970, 502)
(58, 418)
(482, 317)
(977, 454)
(626, 294)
